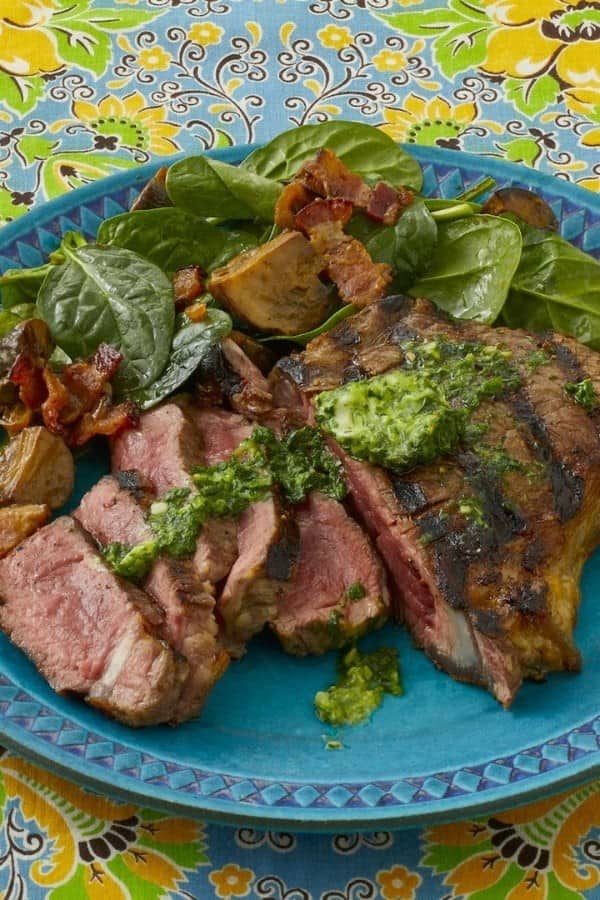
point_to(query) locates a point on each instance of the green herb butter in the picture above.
(363, 680)
(412, 415)
(132, 563)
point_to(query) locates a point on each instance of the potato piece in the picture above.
(36, 467)
(522, 203)
(18, 522)
(275, 287)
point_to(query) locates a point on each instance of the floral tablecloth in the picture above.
(89, 88)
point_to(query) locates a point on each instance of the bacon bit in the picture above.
(188, 285)
(321, 212)
(196, 312)
(327, 176)
(105, 419)
(347, 262)
(386, 203)
(27, 374)
(78, 389)
(292, 199)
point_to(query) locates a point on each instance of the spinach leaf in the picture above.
(406, 246)
(22, 285)
(365, 150)
(19, 286)
(113, 295)
(172, 238)
(556, 286)
(8, 321)
(472, 268)
(210, 188)
(191, 343)
(303, 339)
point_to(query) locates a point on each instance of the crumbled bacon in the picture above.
(74, 403)
(79, 393)
(188, 285)
(327, 176)
(292, 199)
(321, 212)
(105, 419)
(386, 203)
(346, 260)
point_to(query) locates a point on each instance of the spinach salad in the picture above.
(475, 261)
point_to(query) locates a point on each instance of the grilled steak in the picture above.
(339, 589)
(491, 599)
(86, 630)
(111, 511)
(164, 448)
(267, 541)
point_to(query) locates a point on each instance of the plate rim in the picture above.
(311, 817)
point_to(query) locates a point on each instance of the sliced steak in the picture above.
(164, 449)
(339, 589)
(268, 542)
(87, 631)
(492, 601)
(112, 511)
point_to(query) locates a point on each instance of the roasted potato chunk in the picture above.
(522, 203)
(275, 287)
(18, 522)
(36, 467)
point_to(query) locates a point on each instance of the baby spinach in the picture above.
(367, 151)
(22, 285)
(472, 267)
(406, 246)
(556, 286)
(210, 188)
(19, 286)
(112, 295)
(191, 343)
(172, 238)
(8, 321)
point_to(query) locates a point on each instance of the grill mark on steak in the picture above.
(539, 534)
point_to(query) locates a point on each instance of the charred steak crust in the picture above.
(492, 598)
(87, 631)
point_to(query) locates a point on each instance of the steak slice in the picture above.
(268, 545)
(492, 601)
(339, 589)
(267, 541)
(111, 511)
(87, 631)
(164, 449)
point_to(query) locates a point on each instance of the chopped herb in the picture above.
(472, 510)
(298, 464)
(584, 393)
(536, 359)
(132, 563)
(356, 591)
(363, 679)
(411, 416)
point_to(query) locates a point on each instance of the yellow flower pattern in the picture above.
(88, 88)
(231, 881)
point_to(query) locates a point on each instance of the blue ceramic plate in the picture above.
(257, 754)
